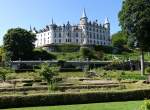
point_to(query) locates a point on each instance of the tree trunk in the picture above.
(142, 62)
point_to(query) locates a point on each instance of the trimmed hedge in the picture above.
(71, 98)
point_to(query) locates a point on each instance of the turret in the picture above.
(34, 30)
(106, 24)
(83, 19)
(52, 32)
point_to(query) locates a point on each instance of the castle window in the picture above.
(59, 40)
(90, 35)
(59, 34)
(93, 29)
(104, 37)
(87, 33)
(76, 34)
(76, 40)
(87, 28)
(55, 35)
(44, 40)
(94, 35)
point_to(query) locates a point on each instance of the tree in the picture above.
(119, 40)
(135, 21)
(18, 44)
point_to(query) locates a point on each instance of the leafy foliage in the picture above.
(148, 69)
(135, 20)
(4, 72)
(42, 55)
(86, 52)
(145, 106)
(18, 43)
(119, 41)
(48, 72)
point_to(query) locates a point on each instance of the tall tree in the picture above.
(18, 44)
(135, 21)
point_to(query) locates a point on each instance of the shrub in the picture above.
(148, 70)
(42, 55)
(4, 72)
(48, 73)
(86, 52)
(105, 49)
(145, 106)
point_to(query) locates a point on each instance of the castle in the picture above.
(84, 33)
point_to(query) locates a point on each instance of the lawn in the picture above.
(131, 105)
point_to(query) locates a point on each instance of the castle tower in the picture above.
(106, 24)
(52, 32)
(83, 23)
(83, 19)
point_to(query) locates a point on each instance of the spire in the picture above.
(106, 21)
(84, 14)
(30, 28)
(52, 21)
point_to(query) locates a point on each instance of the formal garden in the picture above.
(121, 83)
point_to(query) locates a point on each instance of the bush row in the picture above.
(71, 98)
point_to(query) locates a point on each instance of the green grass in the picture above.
(131, 105)
(135, 55)
(71, 74)
(67, 55)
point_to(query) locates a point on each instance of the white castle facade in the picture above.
(84, 33)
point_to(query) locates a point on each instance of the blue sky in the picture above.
(38, 13)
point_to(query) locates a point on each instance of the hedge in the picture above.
(72, 98)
